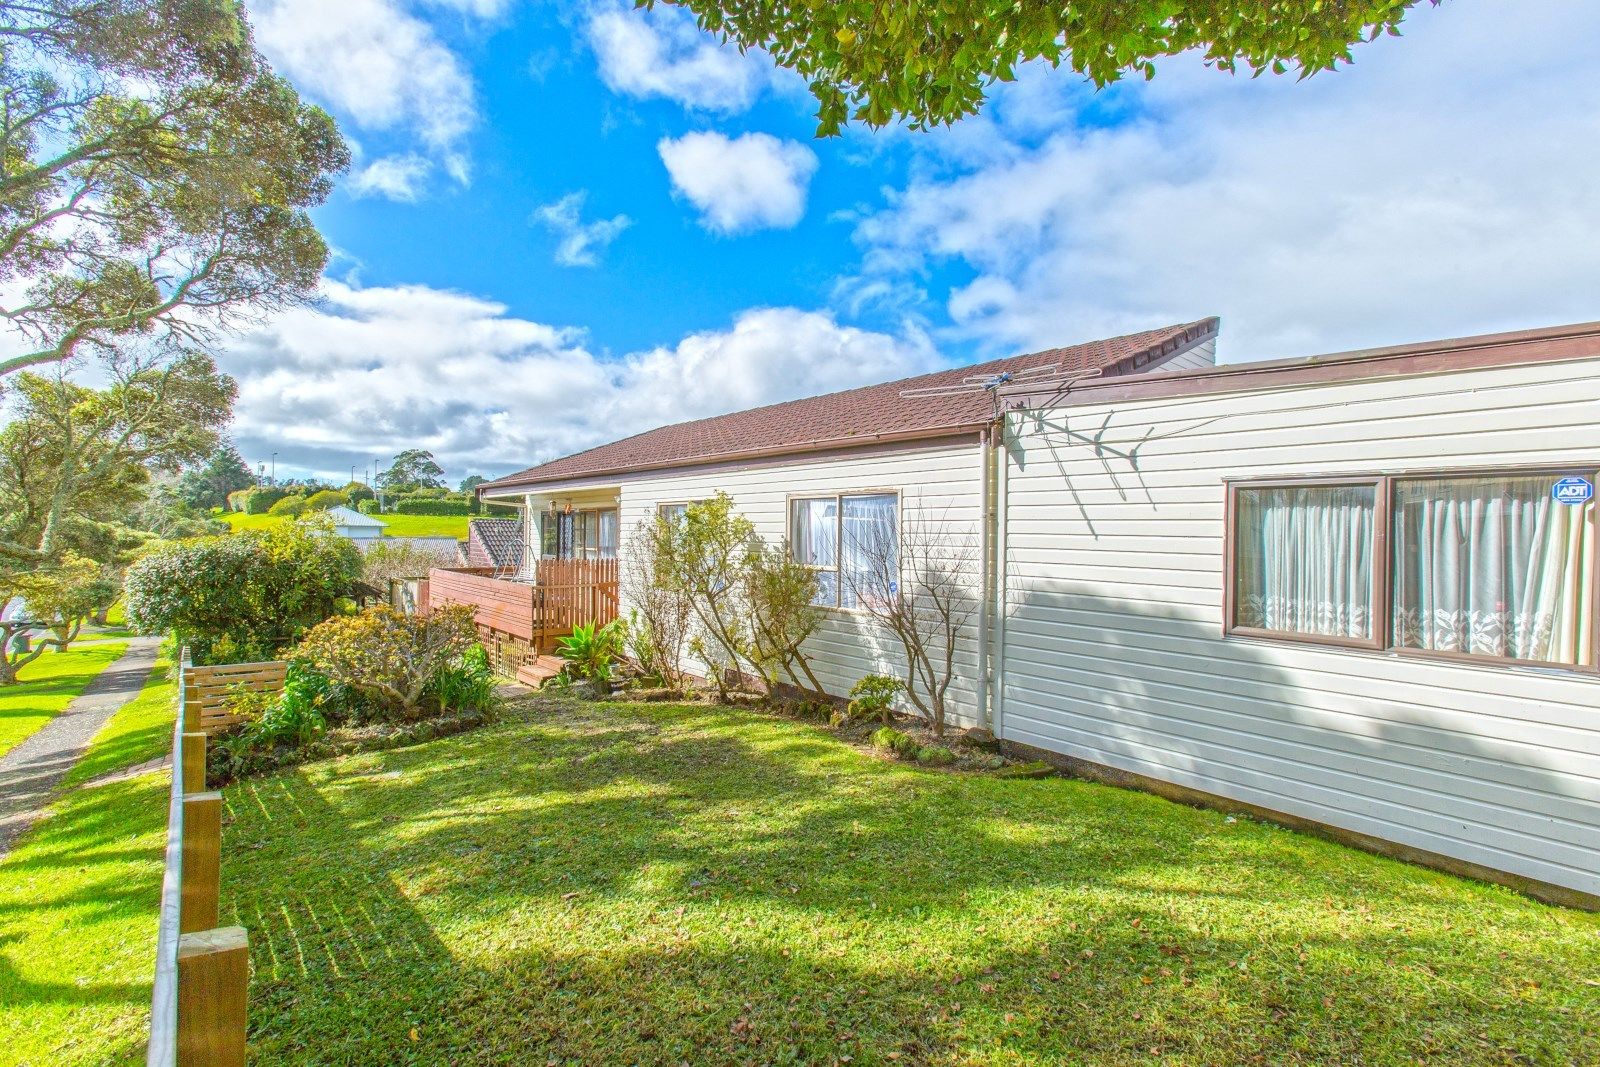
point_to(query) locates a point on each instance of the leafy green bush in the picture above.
(873, 696)
(325, 499)
(934, 756)
(368, 507)
(239, 498)
(244, 596)
(354, 492)
(259, 501)
(289, 505)
(592, 652)
(392, 660)
(414, 506)
(467, 683)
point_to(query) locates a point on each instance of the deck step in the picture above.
(540, 670)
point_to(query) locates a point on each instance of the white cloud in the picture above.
(661, 53)
(751, 182)
(393, 177)
(580, 242)
(1442, 185)
(371, 371)
(375, 62)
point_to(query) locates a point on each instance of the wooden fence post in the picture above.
(202, 862)
(194, 762)
(213, 978)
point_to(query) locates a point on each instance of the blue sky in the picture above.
(570, 222)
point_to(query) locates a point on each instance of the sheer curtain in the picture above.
(814, 541)
(869, 562)
(1304, 560)
(1492, 566)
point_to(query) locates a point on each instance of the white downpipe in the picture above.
(1002, 510)
(985, 570)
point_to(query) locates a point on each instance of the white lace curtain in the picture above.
(1304, 560)
(1492, 566)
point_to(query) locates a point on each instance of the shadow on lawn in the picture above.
(690, 884)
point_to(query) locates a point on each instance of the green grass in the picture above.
(621, 884)
(399, 525)
(79, 902)
(140, 731)
(47, 686)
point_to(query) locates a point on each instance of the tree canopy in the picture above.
(930, 62)
(155, 178)
(412, 469)
(208, 485)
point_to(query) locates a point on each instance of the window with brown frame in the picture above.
(851, 540)
(1487, 565)
(578, 534)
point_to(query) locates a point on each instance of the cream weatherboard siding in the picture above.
(1113, 646)
(938, 484)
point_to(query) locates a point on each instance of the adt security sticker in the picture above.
(1573, 491)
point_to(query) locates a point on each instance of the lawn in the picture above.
(47, 686)
(599, 884)
(399, 525)
(79, 901)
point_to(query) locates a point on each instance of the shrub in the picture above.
(935, 756)
(873, 695)
(467, 683)
(244, 596)
(325, 499)
(390, 658)
(354, 492)
(259, 501)
(402, 559)
(368, 507)
(289, 505)
(590, 651)
(239, 498)
(413, 506)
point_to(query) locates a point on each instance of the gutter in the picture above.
(927, 433)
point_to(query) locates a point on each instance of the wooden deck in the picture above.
(521, 620)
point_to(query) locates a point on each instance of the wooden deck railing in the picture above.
(197, 1010)
(520, 619)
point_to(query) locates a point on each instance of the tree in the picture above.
(931, 62)
(244, 596)
(470, 483)
(74, 458)
(919, 586)
(57, 598)
(411, 470)
(156, 178)
(207, 486)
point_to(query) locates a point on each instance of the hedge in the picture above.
(260, 501)
(289, 505)
(412, 506)
(239, 498)
(325, 499)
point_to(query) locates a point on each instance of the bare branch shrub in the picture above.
(661, 617)
(919, 587)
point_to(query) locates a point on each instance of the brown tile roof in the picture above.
(494, 543)
(855, 416)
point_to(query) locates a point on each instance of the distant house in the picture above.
(495, 544)
(1359, 591)
(348, 522)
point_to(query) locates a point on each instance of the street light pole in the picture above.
(274, 468)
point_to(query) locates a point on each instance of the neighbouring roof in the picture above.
(343, 516)
(853, 417)
(494, 543)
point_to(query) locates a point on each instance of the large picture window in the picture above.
(1484, 565)
(578, 534)
(852, 542)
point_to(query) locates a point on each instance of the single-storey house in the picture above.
(1355, 592)
(348, 522)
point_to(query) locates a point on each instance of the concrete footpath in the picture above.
(30, 772)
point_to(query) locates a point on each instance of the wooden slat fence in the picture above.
(576, 591)
(208, 690)
(520, 619)
(197, 1010)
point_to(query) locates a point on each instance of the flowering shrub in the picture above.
(391, 659)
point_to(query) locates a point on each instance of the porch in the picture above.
(520, 618)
